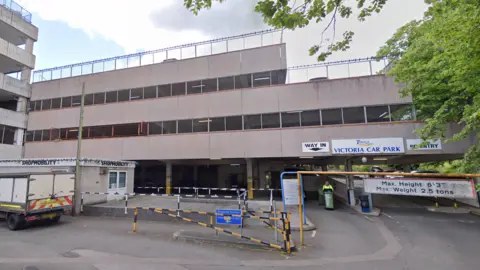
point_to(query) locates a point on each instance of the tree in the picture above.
(293, 14)
(438, 60)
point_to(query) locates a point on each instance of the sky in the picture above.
(72, 31)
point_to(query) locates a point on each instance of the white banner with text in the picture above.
(427, 187)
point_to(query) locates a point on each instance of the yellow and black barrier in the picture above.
(211, 213)
(284, 218)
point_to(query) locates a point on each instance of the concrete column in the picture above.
(350, 183)
(169, 177)
(19, 133)
(195, 176)
(250, 179)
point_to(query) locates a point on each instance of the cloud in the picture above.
(232, 17)
(125, 22)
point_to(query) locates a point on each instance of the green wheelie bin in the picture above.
(321, 197)
(328, 194)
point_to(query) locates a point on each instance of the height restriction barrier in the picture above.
(284, 218)
(435, 185)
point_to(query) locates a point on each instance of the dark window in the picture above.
(165, 90)
(401, 112)
(169, 127)
(234, 123)
(291, 119)
(66, 102)
(111, 97)
(99, 98)
(279, 77)
(63, 133)
(377, 114)
(185, 126)
(243, 81)
(209, 85)
(271, 120)
(56, 103)
(355, 115)
(38, 105)
(76, 101)
(124, 95)
(178, 89)
(143, 129)
(28, 136)
(261, 79)
(100, 132)
(55, 134)
(31, 106)
(46, 104)
(310, 118)
(150, 92)
(125, 130)
(200, 125)
(9, 135)
(226, 83)
(46, 135)
(88, 100)
(72, 133)
(218, 124)
(136, 93)
(155, 128)
(252, 122)
(332, 117)
(194, 87)
(37, 135)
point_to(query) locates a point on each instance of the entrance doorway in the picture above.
(117, 183)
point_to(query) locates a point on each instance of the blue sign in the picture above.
(229, 220)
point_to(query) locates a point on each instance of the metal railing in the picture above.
(17, 9)
(337, 69)
(185, 51)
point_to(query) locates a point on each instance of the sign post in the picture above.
(292, 195)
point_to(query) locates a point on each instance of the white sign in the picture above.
(368, 146)
(431, 144)
(64, 162)
(290, 191)
(426, 187)
(315, 147)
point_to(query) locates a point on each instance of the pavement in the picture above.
(398, 239)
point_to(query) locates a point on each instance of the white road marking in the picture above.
(368, 218)
(387, 215)
(314, 233)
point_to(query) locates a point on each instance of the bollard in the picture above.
(455, 205)
(271, 199)
(275, 222)
(126, 204)
(436, 202)
(135, 216)
(178, 205)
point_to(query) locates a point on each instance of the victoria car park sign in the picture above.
(368, 146)
(315, 147)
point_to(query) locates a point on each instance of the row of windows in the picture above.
(365, 114)
(167, 90)
(7, 134)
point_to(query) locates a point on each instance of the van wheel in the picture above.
(15, 222)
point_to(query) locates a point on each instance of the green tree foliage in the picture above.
(293, 14)
(438, 60)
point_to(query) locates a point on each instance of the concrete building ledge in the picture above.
(448, 210)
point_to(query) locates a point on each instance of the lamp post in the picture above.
(78, 174)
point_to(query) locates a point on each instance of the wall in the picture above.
(17, 54)
(7, 17)
(17, 87)
(13, 118)
(8, 151)
(233, 63)
(369, 90)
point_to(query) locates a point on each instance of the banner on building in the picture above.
(412, 144)
(315, 147)
(426, 187)
(368, 146)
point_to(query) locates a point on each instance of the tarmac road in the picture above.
(399, 239)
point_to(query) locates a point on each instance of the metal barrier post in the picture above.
(209, 191)
(271, 199)
(436, 202)
(275, 222)
(196, 192)
(284, 231)
(178, 205)
(126, 204)
(179, 190)
(288, 233)
(135, 217)
(455, 205)
(81, 204)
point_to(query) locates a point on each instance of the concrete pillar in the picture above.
(169, 177)
(195, 176)
(19, 133)
(350, 182)
(250, 178)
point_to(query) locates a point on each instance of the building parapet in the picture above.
(16, 9)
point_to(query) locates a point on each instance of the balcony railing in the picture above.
(17, 9)
(185, 51)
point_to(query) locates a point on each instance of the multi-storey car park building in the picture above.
(205, 117)
(17, 35)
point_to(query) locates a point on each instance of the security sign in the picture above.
(315, 147)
